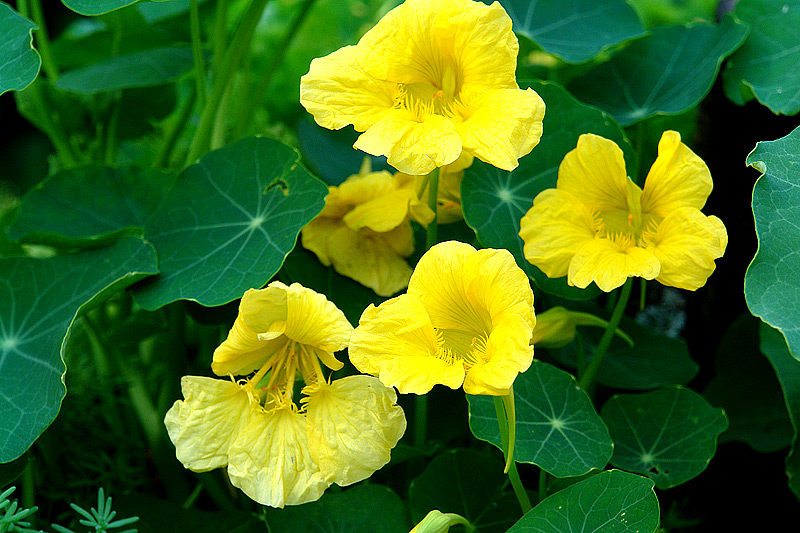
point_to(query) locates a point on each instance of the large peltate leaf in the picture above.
(766, 64)
(41, 298)
(577, 30)
(229, 223)
(96, 7)
(557, 426)
(669, 434)
(610, 502)
(772, 281)
(19, 62)
(666, 72)
(90, 205)
(495, 200)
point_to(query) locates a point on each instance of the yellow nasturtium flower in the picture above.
(433, 79)
(448, 195)
(365, 231)
(276, 452)
(598, 226)
(439, 522)
(467, 318)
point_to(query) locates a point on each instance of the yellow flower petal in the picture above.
(353, 424)
(314, 320)
(609, 263)
(271, 463)
(205, 423)
(508, 353)
(381, 214)
(438, 522)
(554, 229)
(678, 178)
(686, 243)
(397, 343)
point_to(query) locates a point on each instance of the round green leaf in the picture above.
(138, 69)
(228, 223)
(96, 7)
(41, 298)
(766, 64)
(609, 502)
(669, 434)
(557, 426)
(494, 200)
(772, 281)
(666, 72)
(90, 205)
(19, 62)
(577, 30)
(360, 508)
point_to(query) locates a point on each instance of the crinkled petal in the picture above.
(508, 352)
(678, 178)
(609, 264)
(396, 343)
(353, 424)
(381, 214)
(594, 172)
(501, 125)
(314, 320)
(686, 243)
(271, 463)
(554, 229)
(205, 423)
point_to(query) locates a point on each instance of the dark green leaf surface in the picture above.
(787, 368)
(495, 200)
(228, 223)
(557, 426)
(96, 7)
(666, 72)
(577, 30)
(669, 434)
(90, 205)
(610, 502)
(41, 298)
(138, 69)
(19, 62)
(772, 281)
(766, 65)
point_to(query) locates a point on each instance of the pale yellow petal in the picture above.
(686, 243)
(508, 352)
(678, 178)
(438, 522)
(381, 214)
(353, 424)
(555, 328)
(609, 263)
(499, 126)
(315, 237)
(594, 172)
(271, 463)
(205, 423)
(554, 229)
(397, 343)
(315, 321)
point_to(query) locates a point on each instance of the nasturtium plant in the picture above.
(20, 62)
(96, 7)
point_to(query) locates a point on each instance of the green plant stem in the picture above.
(197, 52)
(580, 353)
(501, 407)
(432, 234)
(224, 72)
(420, 419)
(110, 138)
(173, 132)
(220, 36)
(542, 484)
(43, 41)
(642, 294)
(600, 352)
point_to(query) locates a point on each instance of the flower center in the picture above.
(426, 98)
(454, 345)
(280, 371)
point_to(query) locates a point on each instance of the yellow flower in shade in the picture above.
(598, 226)
(439, 522)
(557, 327)
(433, 79)
(467, 318)
(365, 231)
(448, 196)
(276, 452)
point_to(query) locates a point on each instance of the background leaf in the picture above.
(772, 281)
(494, 200)
(577, 30)
(557, 426)
(610, 502)
(666, 72)
(96, 7)
(229, 223)
(19, 62)
(669, 434)
(41, 298)
(766, 64)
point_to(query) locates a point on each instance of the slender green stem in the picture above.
(608, 335)
(174, 130)
(511, 466)
(197, 52)
(110, 140)
(220, 29)
(43, 41)
(224, 71)
(420, 419)
(580, 353)
(542, 484)
(432, 236)
(642, 294)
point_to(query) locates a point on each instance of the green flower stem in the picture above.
(197, 52)
(420, 419)
(173, 131)
(220, 36)
(43, 41)
(506, 420)
(110, 137)
(642, 294)
(432, 236)
(580, 353)
(600, 352)
(224, 71)
(542, 484)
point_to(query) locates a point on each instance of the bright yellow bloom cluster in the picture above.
(598, 226)
(467, 318)
(277, 453)
(433, 79)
